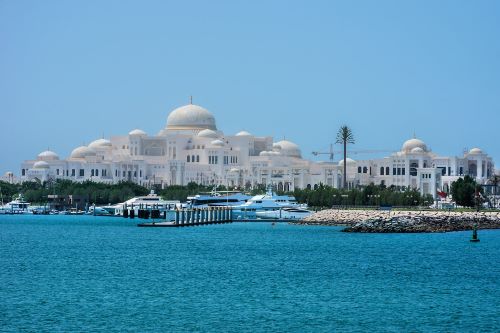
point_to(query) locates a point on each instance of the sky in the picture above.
(75, 71)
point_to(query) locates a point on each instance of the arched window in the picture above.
(381, 171)
(192, 158)
(197, 158)
(413, 168)
(188, 158)
(359, 169)
(387, 171)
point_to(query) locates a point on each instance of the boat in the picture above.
(217, 199)
(97, 211)
(17, 206)
(149, 202)
(286, 213)
(268, 202)
(72, 211)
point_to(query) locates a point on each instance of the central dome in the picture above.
(287, 148)
(191, 117)
(413, 143)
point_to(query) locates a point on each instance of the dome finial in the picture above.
(191, 99)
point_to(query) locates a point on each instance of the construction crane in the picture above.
(331, 152)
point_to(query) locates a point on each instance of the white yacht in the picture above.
(98, 211)
(286, 213)
(214, 198)
(17, 206)
(150, 201)
(268, 202)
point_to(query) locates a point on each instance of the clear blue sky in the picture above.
(73, 70)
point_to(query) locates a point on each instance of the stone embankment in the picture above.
(403, 221)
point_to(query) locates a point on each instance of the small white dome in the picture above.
(82, 152)
(100, 144)
(413, 143)
(189, 117)
(348, 160)
(137, 132)
(41, 165)
(417, 150)
(207, 133)
(48, 155)
(475, 151)
(288, 148)
(218, 143)
(243, 133)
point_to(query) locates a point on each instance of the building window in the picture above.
(461, 171)
(399, 171)
(23, 172)
(82, 173)
(123, 174)
(393, 171)
(365, 169)
(197, 158)
(387, 171)
(359, 169)
(73, 172)
(188, 158)
(381, 171)
(403, 171)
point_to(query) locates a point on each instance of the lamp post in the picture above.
(228, 171)
(344, 199)
(371, 196)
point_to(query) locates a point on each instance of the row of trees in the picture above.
(464, 191)
(371, 195)
(100, 193)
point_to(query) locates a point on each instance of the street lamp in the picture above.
(232, 170)
(344, 199)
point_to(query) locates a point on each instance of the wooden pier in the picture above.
(195, 217)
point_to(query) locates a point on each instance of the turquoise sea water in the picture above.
(64, 274)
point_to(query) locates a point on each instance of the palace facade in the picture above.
(192, 149)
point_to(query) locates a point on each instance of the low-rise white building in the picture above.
(192, 149)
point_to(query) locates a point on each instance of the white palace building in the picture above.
(192, 149)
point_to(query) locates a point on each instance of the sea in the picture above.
(98, 274)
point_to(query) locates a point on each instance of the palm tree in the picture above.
(345, 136)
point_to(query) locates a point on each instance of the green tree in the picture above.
(345, 136)
(463, 191)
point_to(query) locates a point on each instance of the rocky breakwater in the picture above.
(404, 221)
